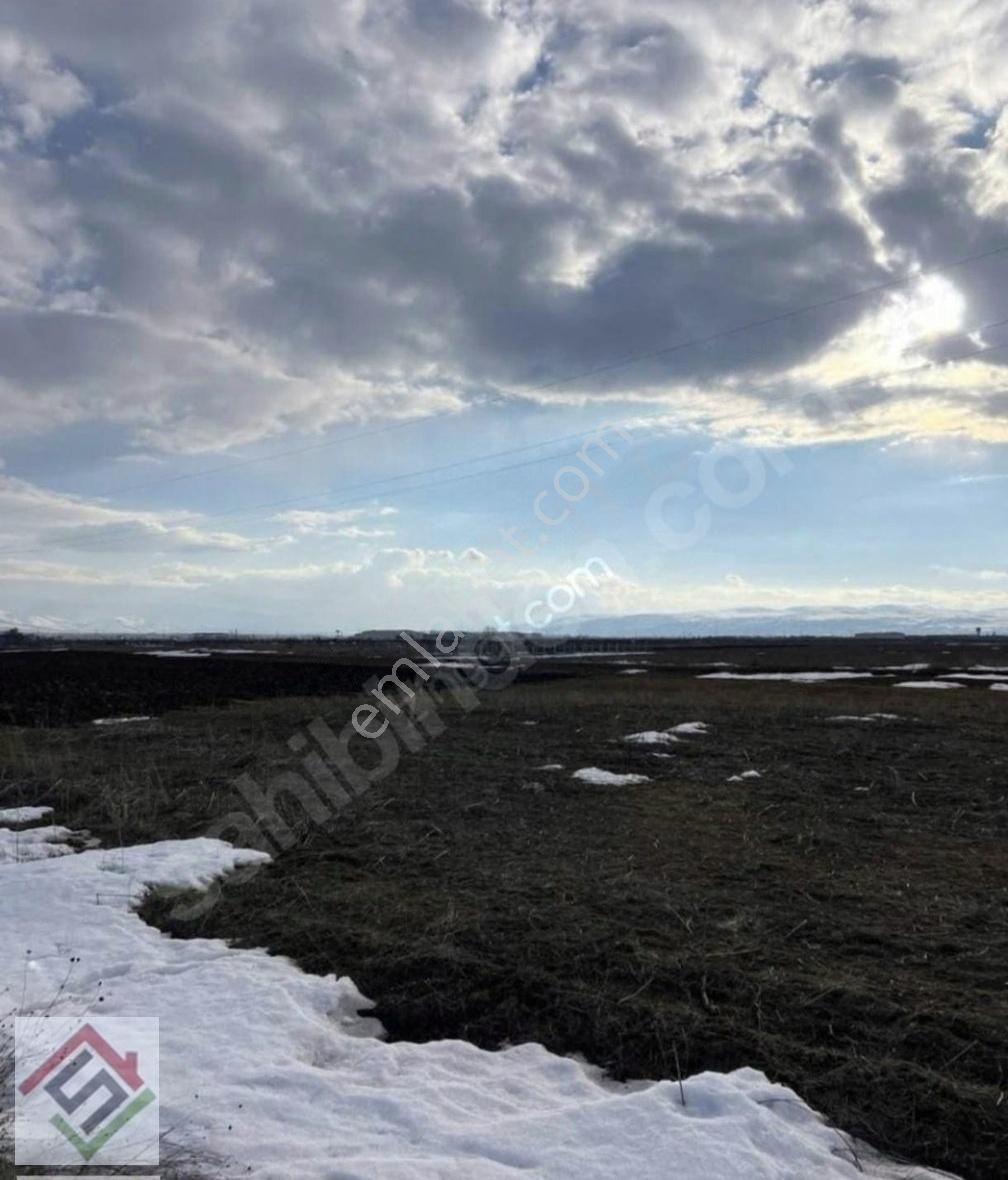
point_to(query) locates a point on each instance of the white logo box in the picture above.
(86, 1091)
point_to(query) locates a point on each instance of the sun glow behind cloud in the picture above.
(895, 336)
(933, 308)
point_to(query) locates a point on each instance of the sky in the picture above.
(318, 317)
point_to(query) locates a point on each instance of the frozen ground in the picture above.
(265, 1068)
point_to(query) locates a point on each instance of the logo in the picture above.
(84, 1090)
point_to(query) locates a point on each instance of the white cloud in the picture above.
(267, 223)
(37, 91)
(337, 523)
(33, 517)
(979, 575)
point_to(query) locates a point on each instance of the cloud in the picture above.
(140, 535)
(979, 575)
(337, 523)
(420, 586)
(36, 91)
(35, 518)
(224, 222)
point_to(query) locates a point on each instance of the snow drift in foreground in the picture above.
(269, 1072)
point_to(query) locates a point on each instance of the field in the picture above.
(840, 921)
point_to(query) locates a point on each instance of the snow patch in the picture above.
(927, 684)
(23, 815)
(651, 737)
(866, 717)
(120, 720)
(972, 676)
(666, 737)
(738, 778)
(176, 655)
(794, 677)
(263, 1065)
(244, 651)
(606, 778)
(34, 844)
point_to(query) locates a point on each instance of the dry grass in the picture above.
(840, 923)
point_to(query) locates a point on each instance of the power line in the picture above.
(779, 317)
(257, 508)
(583, 434)
(693, 342)
(237, 463)
(860, 383)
